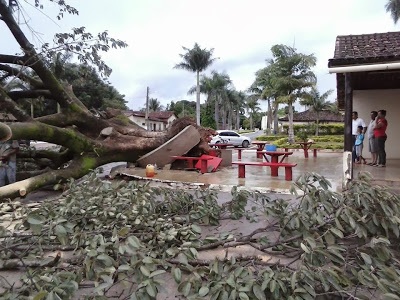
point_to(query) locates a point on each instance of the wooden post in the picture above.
(146, 116)
(348, 121)
(348, 137)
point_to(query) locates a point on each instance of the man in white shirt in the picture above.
(371, 138)
(357, 122)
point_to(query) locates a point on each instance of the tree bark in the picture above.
(290, 116)
(216, 111)
(74, 127)
(198, 122)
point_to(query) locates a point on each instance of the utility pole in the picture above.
(147, 109)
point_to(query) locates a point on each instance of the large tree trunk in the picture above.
(198, 99)
(238, 118)
(276, 120)
(224, 116)
(317, 129)
(229, 116)
(290, 116)
(269, 115)
(216, 112)
(87, 140)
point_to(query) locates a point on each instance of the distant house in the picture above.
(310, 116)
(6, 117)
(158, 120)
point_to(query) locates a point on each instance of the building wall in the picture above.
(159, 126)
(139, 121)
(366, 101)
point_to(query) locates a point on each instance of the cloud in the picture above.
(241, 33)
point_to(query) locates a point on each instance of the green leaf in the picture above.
(156, 272)
(329, 238)
(366, 258)
(182, 259)
(203, 291)
(60, 230)
(196, 229)
(34, 219)
(134, 241)
(145, 271)
(41, 295)
(294, 280)
(186, 288)
(107, 260)
(123, 231)
(258, 292)
(336, 232)
(243, 296)
(177, 275)
(151, 290)
(305, 249)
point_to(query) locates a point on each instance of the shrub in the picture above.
(324, 129)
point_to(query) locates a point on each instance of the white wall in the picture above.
(366, 101)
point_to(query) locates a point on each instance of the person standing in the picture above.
(380, 137)
(359, 146)
(356, 122)
(371, 138)
(8, 161)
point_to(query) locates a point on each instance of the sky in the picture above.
(241, 33)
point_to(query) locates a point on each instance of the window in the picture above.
(144, 124)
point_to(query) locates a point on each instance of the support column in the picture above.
(348, 138)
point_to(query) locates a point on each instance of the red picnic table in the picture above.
(260, 147)
(274, 158)
(305, 146)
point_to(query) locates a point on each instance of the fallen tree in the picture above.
(126, 240)
(88, 140)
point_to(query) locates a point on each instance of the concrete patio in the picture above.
(327, 163)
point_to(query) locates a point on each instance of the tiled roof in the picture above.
(160, 116)
(7, 117)
(311, 116)
(366, 48)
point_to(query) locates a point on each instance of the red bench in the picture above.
(305, 151)
(189, 159)
(242, 165)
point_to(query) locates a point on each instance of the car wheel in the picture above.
(245, 144)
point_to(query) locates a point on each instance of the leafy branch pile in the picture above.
(127, 240)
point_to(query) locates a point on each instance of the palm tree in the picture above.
(196, 60)
(291, 77)
(317, 102)
(155, 105)
(252, 108)
(215, 88)
(393, 7)
(240, 105)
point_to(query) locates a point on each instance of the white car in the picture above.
(231, 137)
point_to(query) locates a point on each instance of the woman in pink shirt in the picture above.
(380, 137)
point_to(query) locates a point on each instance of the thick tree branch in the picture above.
(8, 104)
(68, 138)
(16, 95)
(12, 59)
(36, 63)
(19, 74)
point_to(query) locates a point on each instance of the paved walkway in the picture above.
(328, 164)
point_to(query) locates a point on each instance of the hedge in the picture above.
(321, 142)
(324, 129)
